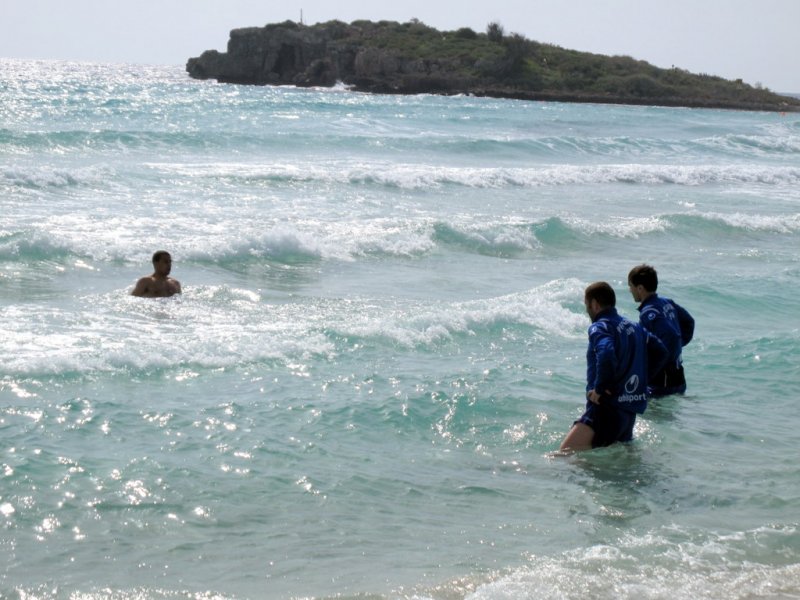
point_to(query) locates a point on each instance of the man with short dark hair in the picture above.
(159, 284)
(620, 356)
(669, 322)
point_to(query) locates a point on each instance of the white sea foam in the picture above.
(240, 234)
(276, 243)
(213, 327)
(218, 326)
(667, 564)
(756, 222)
(539, 308)
(623, 227)
(780, 142)
(425, 176)
(48, 176)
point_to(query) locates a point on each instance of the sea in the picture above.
(381, 343)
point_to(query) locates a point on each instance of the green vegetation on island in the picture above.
(391, 57)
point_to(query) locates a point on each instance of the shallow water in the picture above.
(380, 342)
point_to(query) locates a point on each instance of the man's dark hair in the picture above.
(603, 293)
(644, 275)
(159, 255)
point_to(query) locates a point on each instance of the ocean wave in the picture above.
(571, 148)
(500, 240)
(540, 308)
(233, 245)
(673, 562)
(424, 176)
(282, 244)
(778, 144)
(511, 239)
(40, 177)
(129, 141)
(769, 223)
(618, 227)
(742, 565)
(518, 146)
(566, 230)
(705, 223)
(212, 327)
(30, 245)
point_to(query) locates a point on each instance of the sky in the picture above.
(755, 40)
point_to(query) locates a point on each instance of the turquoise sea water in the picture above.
(380, 342)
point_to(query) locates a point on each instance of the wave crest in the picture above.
(426, 176)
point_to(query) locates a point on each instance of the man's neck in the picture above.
(647, 296)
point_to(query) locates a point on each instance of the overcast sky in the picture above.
(756, 40)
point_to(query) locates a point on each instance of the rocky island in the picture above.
(413, 58)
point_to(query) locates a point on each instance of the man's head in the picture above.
(642, 281)
(598, 297)
(162, 262)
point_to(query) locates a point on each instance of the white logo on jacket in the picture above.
(632, 384)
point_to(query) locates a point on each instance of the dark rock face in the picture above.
(291, 54)
(277, 55)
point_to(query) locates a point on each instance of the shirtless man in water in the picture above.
(159, 284)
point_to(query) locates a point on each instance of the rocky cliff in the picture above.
(292, 54)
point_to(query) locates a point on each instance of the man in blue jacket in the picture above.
(669, 322)
(620, 357)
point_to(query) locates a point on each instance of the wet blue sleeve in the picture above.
(657, 324)
(657, 355)
(686, 322)
(604, 356)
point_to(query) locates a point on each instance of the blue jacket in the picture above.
(674, 326)
(669, 322)
(621, 356)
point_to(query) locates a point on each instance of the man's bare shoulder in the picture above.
(153, 287)
(143, 286)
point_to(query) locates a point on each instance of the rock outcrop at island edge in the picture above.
(410, 58)
(321, 55)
